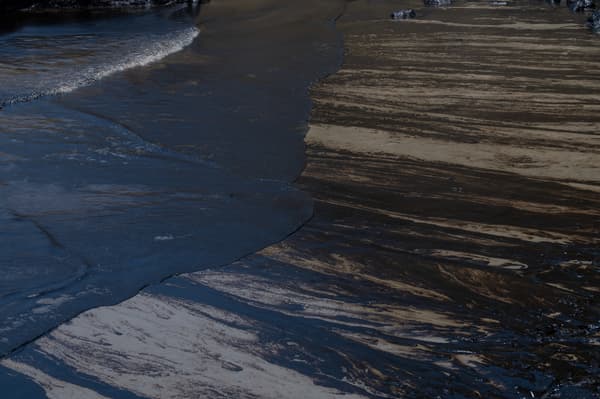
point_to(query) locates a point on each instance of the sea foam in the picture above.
(153, 51)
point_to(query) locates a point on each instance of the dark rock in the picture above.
(581, 5)
(403, 14)
(20, 5)
(594, 21)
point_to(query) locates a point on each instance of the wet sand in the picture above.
(453, 250)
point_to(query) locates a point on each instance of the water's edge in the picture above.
(81, 100)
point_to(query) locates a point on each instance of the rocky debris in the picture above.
(403, 14)
(437, 3)
(594, 21)
(32, 5)
(581, 5)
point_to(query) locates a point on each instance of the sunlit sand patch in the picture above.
(451, 237)
(591, 288)
(335, 267)
(395, 320)
(529, 206)
(473, 280)
(577, 264)
(532, 46)
(488, 320)
(416, 78)
(470, 359)
(417, 111)
(512, 232)
(554, 164)
(478, 363)
(581, 186)
(420, 118)
(411, 351)
(367, 387)
(515, 25)
(161, 347)
(471, 257)
(266, 292)
(560, 287)
(448, 365)
(416, 96)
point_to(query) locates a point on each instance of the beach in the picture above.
(452, 164)
(134, 150)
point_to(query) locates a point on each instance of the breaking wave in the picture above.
(154, 50)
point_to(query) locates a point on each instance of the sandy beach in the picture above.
(454, 165)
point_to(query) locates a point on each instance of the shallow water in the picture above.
(40, 60)
(135, 147)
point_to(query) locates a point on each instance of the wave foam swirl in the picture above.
(153, 52)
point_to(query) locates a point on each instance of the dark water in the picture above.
(140, 146)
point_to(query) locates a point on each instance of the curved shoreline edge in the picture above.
(254, 184)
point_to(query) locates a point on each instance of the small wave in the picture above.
(155, 51)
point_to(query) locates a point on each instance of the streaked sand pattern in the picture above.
(454, 248)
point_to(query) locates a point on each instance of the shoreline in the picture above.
(176, 151)
(422, 273)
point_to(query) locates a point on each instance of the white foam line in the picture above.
(155, 52)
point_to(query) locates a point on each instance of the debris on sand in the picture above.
(403, 14)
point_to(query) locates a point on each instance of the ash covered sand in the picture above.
(454, 248)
